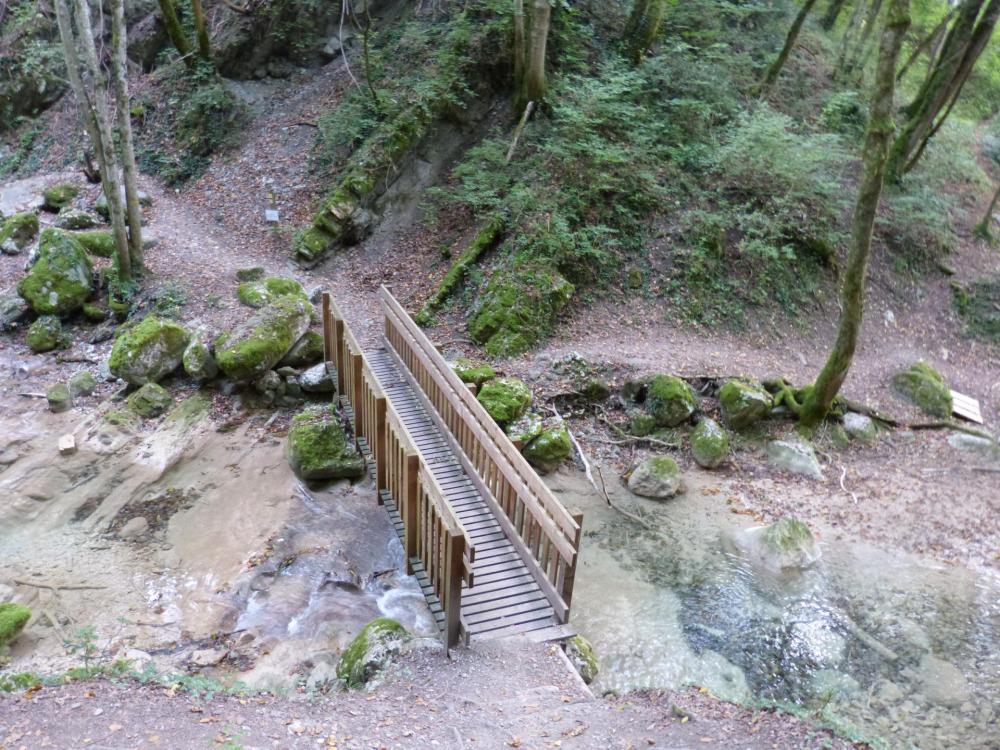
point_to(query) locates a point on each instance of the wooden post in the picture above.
(567, 585)
(328, 342)
(410, 513)
(338, 349)
(377, 443)
(455, 570)
(356, 395)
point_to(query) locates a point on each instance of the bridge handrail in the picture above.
(548, 534)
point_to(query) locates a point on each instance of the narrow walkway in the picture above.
(505, 599)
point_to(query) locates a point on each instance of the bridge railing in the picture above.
(544, 533)
(432, 533)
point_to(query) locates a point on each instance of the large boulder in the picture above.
(99, 242)
(658, 478)
(505, 399)
(150, 401)
(101, 204)
(60, 280)
(860, 427)
(371, 651)
(786, 545)
(551, 447)
(744, 403)
(13, 618)
(468, 371)
(670, 400)
(72, 218)
(59, 398)
(794, 456)
(12, 309)
(709, 444)
(256, 294)
(923, 386)
(307, 351)
(197, 359)
(58, 197)
(318, 448)
(17, 232)
(46, 334)
(582, 656)
(524, 430)
(149, 351)
(259, 343)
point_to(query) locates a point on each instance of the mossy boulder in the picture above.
(744, 403)
(795, 456)
(12, 309)
(150, 401)
(99, 242)
(148, 351)
(258, 344)
(658, 478)
(788, 543)
(525, 429)
(58, 197)
(518, 307)
(94, 313)
(59, 398)
(923, 386)
(641, 424)
(468, 371)
(505, 399)
(82, 383)
(594, 390)
(46, 334)
(371, 651)
(197, 359)
(709, 443)
(670, 400)
(71, 218)
(583, 657)
(17, 231)
(860, 427)
(101, 205)
(318, 448)
(551, 447)
(255, 273)
(307, 351)
(257, 294)
(60, 280)
(13, 618)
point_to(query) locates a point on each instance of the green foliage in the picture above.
(846, 112)
(13, 618)
(979, 305)
(27, 151)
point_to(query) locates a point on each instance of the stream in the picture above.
(883, 646)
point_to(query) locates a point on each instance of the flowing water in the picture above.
(882, 645)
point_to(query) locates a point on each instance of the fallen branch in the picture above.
(636, 440)
(32, 395)
(519, 130)
(843, 473)
(58, 587)
(945, 424)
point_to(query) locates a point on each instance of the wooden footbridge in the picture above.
(494, 552)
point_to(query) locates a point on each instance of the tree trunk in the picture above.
(793, 34)
(174, 29)
(820, 397)
(520, 58)
(642, 27)
(846, 41)
(541, 12)
(855, 59)
(119, 71)
(984, 228)
(833, 12)
(926, 44)
(111, 181)
(201, 31)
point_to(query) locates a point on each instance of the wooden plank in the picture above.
(527, 619)
(966, 407)
(507, 601)
(538, 608)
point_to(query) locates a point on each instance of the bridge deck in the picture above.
(505, 599)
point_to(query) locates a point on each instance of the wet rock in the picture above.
(148, 351)
(135, 527)
(197, 359)
(208, 657)
(258, 344)
(59, 398)
(859, 427)
(318, 379)
(796, 457)
(941, 682)
(317, 447)
(308, 350)
(71, 218)
(525, 429)
(744, 403)
(17, 232)
(60, 280)
(13, 618)
(12, 308)
(469, 371)
(583, 658)
(46, 334)
(787, 544)
(82, 384)
(552, 446)
(57, 197)
(658, 478)
(816, 640)
(829, 684)
(888, 692)
(150, 401)
(505, 399)
(709, 444)
(923, 386)
(371, 651)
(670, 400)
(973, 443)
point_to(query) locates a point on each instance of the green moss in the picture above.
(518, 308)
(71, 218)
(317, 447)
(94, 313)
(657, 477)
(787, 535)
(254, 273)
(670, 400)
(20, 229)
(595, 390)
(148, 351)
(473, 372)
(308, 350)
(122, 418)
(13, 618)
(709, 443)
(311, 243)
(60, 280)
(582, 656)
(99, 242)
(46, 334)
(82, 383)
(256, 294)
(59, 398)
(371, 651)
(744, 403)
(59, 196)
(505, 399)
(979, 306)
(641, 424)
(150, 401)
(485, 239)
(925, 387)
(550, 448)
(260, 343)
(525, 429)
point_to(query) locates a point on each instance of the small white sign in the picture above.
(271, 215)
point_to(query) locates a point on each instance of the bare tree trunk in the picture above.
(174, 29)
(856, 58)
(111, 181)
(520, 57)
(833, 11)
(642, 27)
(119, 72)
(541, 13)
(851, 30)
(201, 31)
(878, 136)
(793, 34)
(983, 228)
(926, 45)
